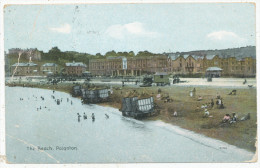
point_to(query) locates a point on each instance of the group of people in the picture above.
(85, 117)
(205, 106)
(233, 119)
(210, 105)
(39, 108)
(58, 101)
(228, 119)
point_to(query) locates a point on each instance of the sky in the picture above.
(158, 28)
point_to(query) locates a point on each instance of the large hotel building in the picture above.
(132, 66)
(172, 64)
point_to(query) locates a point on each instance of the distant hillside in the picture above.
(242, 52)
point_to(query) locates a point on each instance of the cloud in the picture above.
(224, 36)
(65, 28)
(131, 29)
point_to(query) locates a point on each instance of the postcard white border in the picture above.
(151, 165)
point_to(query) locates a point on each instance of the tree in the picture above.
(131, 54)
(54, 53)
(111, 53)
(144, 53)
(98, 55)
(54, 50)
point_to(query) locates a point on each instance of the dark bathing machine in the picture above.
(137, 106)
(91, 94)
(95, 95)
(77, 91)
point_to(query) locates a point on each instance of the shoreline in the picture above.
(204, 126)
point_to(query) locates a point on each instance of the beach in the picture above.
(39, 130)
(241, 134)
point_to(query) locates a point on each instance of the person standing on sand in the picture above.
(159, 91)
(212, 103)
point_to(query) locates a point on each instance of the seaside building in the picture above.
(128, 66)
(75, 68)
(48, 68)
(193, 64)
(232, 66)
(186, 64)
(24, 69)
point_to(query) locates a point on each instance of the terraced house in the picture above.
(185, 64)
(192, 64)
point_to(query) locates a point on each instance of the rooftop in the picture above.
(49, 64)
(161, 73)
(75, 64)
(214, 69)
(24, 64)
